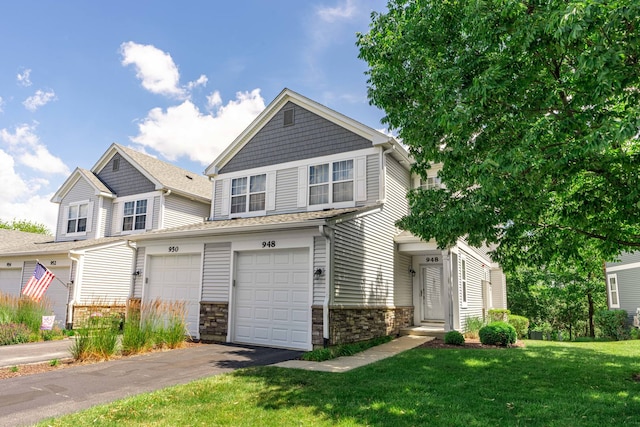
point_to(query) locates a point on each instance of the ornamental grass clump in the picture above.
(454, 338)
(498, 333)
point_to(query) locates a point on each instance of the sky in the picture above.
(177, 80)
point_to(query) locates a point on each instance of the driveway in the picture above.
(30, 399)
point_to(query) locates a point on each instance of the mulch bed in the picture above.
(469, 343)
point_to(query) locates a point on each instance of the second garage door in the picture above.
(177, 278)
(272, 299)
(10, 281)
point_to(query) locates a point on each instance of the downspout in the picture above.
(165, 193)
(383, 176)
(74, 257)
(327, 231)
(134, 268)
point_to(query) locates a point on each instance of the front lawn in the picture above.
(544, 384)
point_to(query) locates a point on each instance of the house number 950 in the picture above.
(174, 248)
(269, 244)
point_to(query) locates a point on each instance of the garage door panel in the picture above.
(277, 294)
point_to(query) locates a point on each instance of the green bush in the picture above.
(472, 327)
(612, 324)
(521, 324)
(13, 333)
(498, 333)
(499, 315)
(634, 334)
(454, 338)
(322, 354)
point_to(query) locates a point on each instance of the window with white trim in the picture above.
(463, 281)
(612, 288)
(331, 183)
(431, 183)
(134, 216)
(77, 218)
(251, 197)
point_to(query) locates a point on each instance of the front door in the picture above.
(432, 308)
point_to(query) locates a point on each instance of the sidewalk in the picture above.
(35, 352)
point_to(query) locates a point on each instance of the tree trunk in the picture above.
(592, 332)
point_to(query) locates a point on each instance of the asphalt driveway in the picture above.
(29, 399)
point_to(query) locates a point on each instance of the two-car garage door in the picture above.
(272, 299)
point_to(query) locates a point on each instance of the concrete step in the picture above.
(436, 331)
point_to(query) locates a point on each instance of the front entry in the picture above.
(432, 293)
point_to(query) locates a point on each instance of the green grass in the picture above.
(544, 384)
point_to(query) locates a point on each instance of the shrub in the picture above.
(520, 323)
(472, 327)
(498, 333)
(322, 354)
(634, 334)
(612, 323)
(13, 333)
(454, 338)
(499, 315)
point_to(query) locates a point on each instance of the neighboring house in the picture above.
(623, 285)
(124, 194)
(301, 249)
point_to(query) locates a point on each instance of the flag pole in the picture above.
(54, 276)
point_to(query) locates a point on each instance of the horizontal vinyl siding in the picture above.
(403, 289)
(155, 221)
(81, 191)
(182, 211)
(217, 200)
(138, 282)
(626, 258)
(106, 213)
(287, 191)
(629, 290)
(373, 178)
(364, 253)
(474, 288)
(216, 272)
(107, 275)
(498, 288)
(319, 261)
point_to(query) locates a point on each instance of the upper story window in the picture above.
(432, 182)
(248, 194)
(77, 218)
(331, 183)
(134, 216)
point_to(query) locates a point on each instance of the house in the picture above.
(623, 285)
(301, 248)
(125, 193)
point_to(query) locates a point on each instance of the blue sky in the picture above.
(178, 80)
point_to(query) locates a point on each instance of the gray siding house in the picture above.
(623, 285)
(301, 248)
(124, 194)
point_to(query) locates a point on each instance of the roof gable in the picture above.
(82, 174)
(285, 98)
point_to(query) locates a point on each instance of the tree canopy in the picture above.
(532, 107)
(24, 225)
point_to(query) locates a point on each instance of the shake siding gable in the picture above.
(182, 211)
(80, 192)
(319, 261)
(126, 180)
(310, 136)
(107, 275)
(216, 273)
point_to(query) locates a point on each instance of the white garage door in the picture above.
(272, 299)
(58, 294)
(177, 278)
(10, 281)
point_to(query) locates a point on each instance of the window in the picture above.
(77, 218)
(612, 288)
(289, 117)
(463, 280)
(116, 164)
(432, 182)
(135, 215)
(248, 198)
(331, 183)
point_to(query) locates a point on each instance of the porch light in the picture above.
(412, 272)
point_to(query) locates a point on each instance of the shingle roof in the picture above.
(25, 245)
(14, 238)
(238, 225)
(171, 176)
(89, 176)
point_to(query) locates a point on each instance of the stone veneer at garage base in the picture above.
(347, 324)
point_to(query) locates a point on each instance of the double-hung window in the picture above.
(77, 218)
(431, 183)
(463, 281)
(135, 215)
(331, 183)
(612, 288)
(248, 194)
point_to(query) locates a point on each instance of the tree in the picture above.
(24, 225)
(532, 107)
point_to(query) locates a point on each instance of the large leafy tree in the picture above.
(25, 225)
(532, 107)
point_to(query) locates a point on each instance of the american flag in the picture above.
(39, 282)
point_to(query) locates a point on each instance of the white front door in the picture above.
(273, 299)
(177, 278)
(432, 293)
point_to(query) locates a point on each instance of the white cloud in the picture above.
(155, 68)
(214, 100)
(25, 145)
(39, 99)
(24, 78)
(202, 81)
(19, 199)
(185, 131)
(345, 10)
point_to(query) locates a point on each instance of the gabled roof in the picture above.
(287, 95)
(164, 175)
(99, 188)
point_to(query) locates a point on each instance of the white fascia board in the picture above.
(623, 267)
(470, 252)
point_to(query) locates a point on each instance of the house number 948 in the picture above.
(269, 244)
